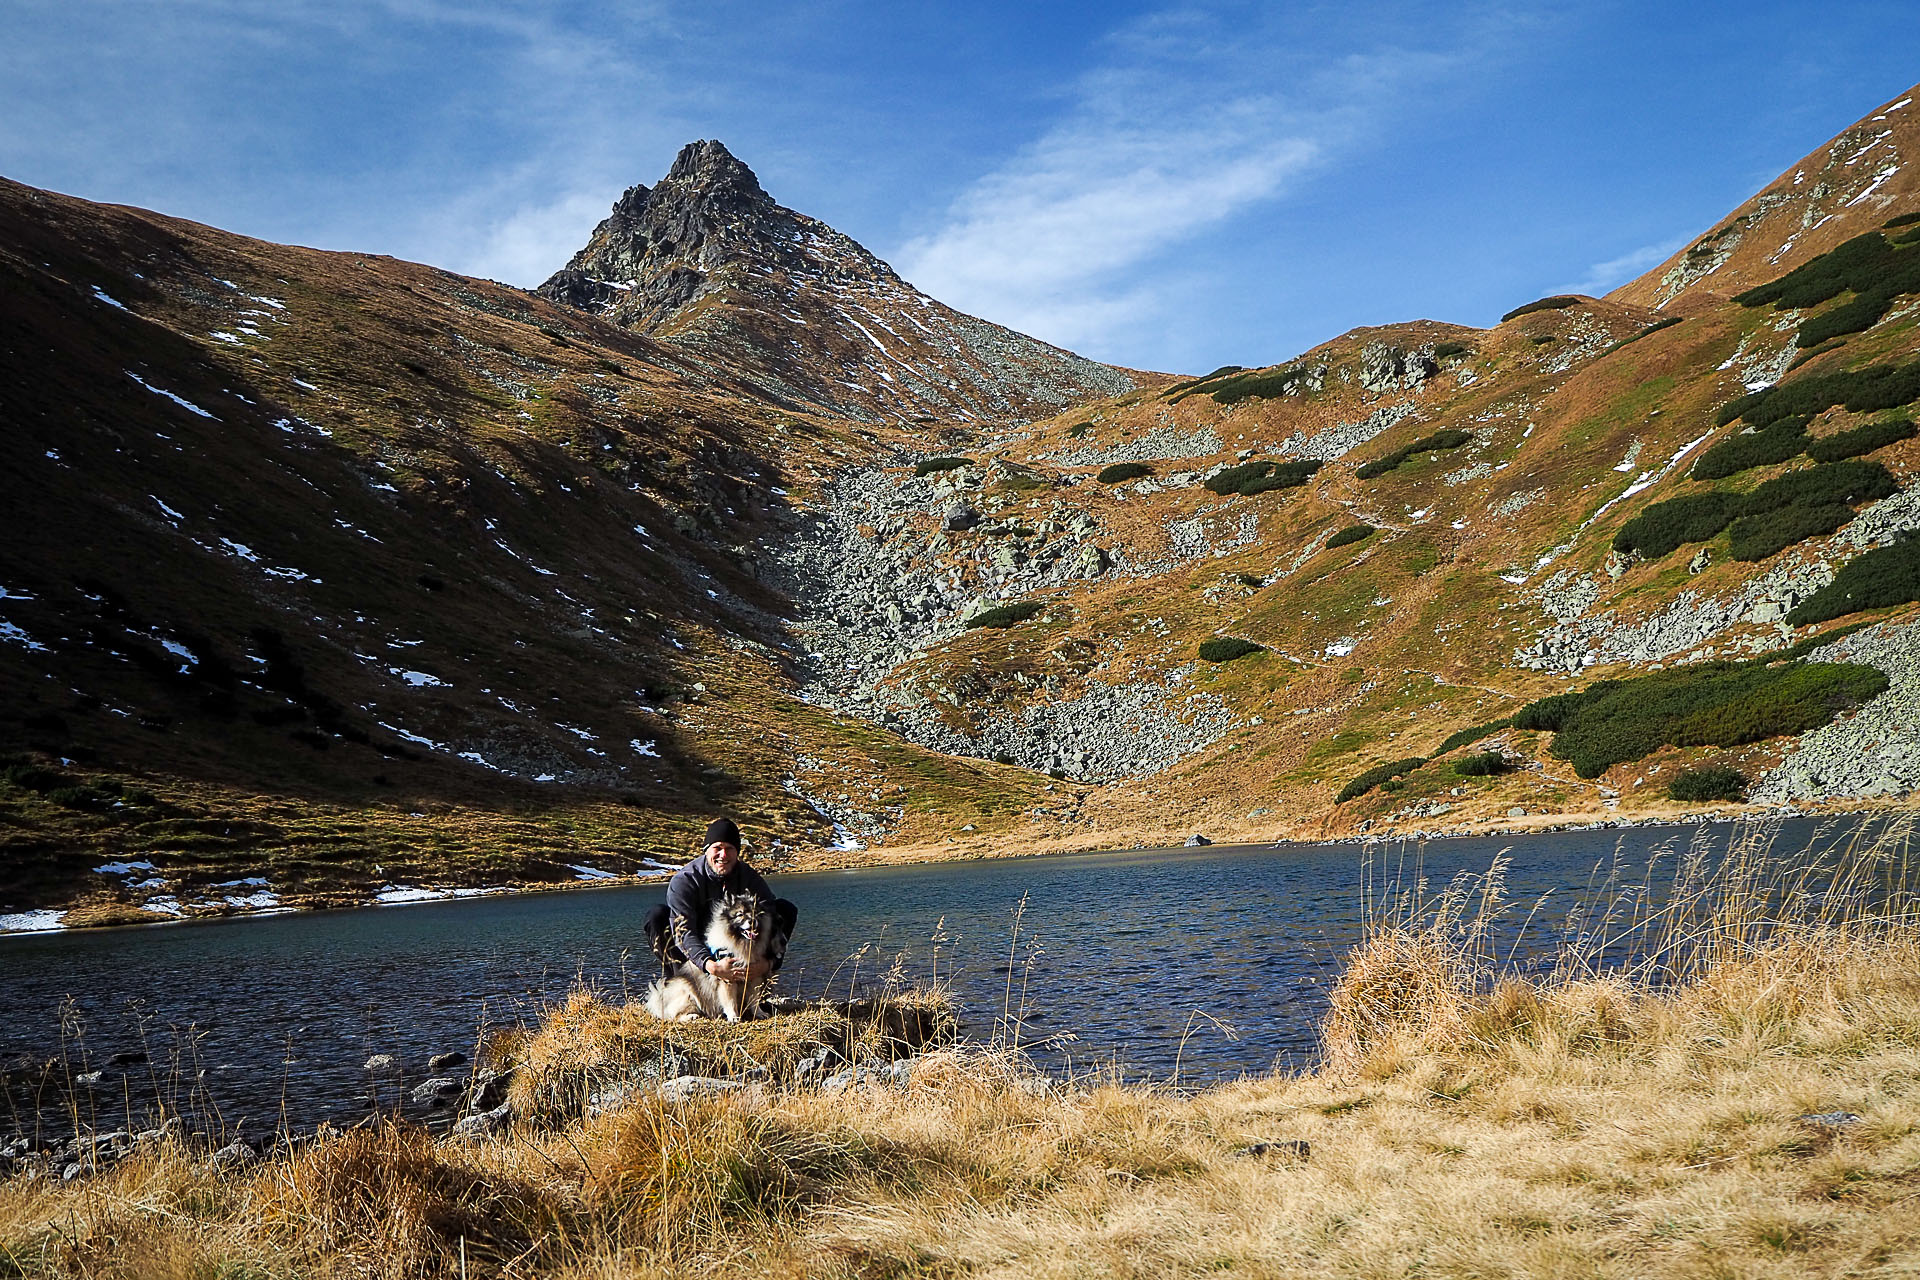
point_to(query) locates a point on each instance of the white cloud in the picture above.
(1602, 277)
(1181, 131)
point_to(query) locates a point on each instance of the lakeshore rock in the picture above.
(485, 1123)
(446, 1061)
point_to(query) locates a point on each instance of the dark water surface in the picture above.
(1133, 954)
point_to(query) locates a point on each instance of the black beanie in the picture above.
(722, 831)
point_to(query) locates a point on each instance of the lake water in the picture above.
(1215, 961)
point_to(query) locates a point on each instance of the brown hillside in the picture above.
(1853, 183)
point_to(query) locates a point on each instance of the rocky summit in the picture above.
(708, 262)
(331, 578)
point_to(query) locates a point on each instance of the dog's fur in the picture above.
(741, 927)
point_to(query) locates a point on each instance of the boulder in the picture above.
(684, 1088)
(960, 518)
(445, 1062)
(484, 1123)
(235, 1155)
(435, 1088)
(382, 1064)
(1196, 840)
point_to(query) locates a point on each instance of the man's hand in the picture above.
(732, 969)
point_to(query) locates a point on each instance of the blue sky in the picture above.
(1170, 187)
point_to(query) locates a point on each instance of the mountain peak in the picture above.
(706, 167)
(708, 259)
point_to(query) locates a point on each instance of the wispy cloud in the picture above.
(1603, 277)
(1180, 130)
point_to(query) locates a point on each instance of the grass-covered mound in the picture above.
(1352, 533)
(1227, 648)
(1448, 438)
(1378, 774)
(1002, 616)
(932, 466)
(1871, 267)
(1720, 704)
(1259, 476)
(1877, 579)
(589, 1046)
(1123, 471)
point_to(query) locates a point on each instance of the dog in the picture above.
(742, 927)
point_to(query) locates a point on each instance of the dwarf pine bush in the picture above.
(1376, 776)
(1227, 648)
(1879, 579)
(1872, 268)
(1352, 533)
(1450, 438)
(1465, 737)
(1484, 764)
(932, 466)
(1711, 782)
(1779, 442)
(1558, 302)
(1860, 440)
(1722, 704)
(1121, 471)
(1002, 616)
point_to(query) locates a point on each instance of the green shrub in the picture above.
(1721, 704)
(1758, 536)
(1558, 302)
(1851, 482)
(1180, 389)
(1869, 390)
(1465, 737)
(1750, 449)
(1352, 533)
(1078, 430)
(1873, 269)
(1377, 775)
(1904, 220)
(1693, 517)
(1227, 648)
(1229, 480)
(1265, 385)
(1120, 471)
(1879, 579)
(1450, 438)
(1446, 349)
(31, 777)
(1713, 782)
(1697, 517)
(1005, 615)
(933, 465)
(1288, 475)
(1864, 439)
(1485, 764)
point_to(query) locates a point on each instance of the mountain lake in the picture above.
(1190, 966)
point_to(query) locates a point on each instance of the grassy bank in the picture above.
(1725, 1084)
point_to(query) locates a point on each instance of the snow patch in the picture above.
(43, 921)
(183, 402)
(103, 296)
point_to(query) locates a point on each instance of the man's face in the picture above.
(723, 857)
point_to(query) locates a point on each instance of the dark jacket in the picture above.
(690, 898)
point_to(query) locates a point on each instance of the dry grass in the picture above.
(1644, 1118)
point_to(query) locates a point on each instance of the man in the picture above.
(677, 931)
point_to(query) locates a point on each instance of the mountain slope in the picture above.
(708, 263)
(1850, 184)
